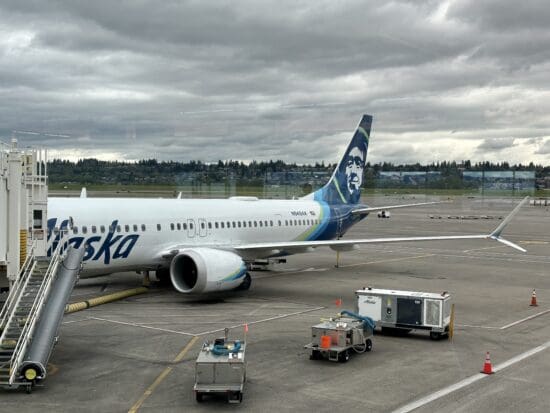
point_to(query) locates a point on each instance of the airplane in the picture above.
(208, 245)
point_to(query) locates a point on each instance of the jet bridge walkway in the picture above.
(32, 313)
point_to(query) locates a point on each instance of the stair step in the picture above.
(8, 344)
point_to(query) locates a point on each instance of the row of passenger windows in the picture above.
(94, 229)
(243, 224)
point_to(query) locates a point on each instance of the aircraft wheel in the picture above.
(163, 276)
(247, 282)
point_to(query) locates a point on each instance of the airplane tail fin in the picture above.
(344, 187)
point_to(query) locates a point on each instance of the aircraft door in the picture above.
(190, 228)
(202, 227)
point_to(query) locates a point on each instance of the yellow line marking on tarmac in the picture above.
(162, 376)
(52, 369)
(389, 260)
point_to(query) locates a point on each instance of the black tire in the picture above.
(343, 357)
(368, 344)
(163, 276)
(199, 398)
(245, 285)
(434, 335)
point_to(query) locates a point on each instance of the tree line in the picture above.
(151, 171)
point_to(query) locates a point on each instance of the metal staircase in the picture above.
(21, 313)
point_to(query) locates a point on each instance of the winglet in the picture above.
(498, 230)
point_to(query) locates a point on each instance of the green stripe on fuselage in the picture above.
(304, 236)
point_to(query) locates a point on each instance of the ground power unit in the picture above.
(406, 310)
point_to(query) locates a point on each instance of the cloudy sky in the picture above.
(286, 80)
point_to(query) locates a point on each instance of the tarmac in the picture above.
(138, 354)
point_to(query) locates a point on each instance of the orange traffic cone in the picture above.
(534, 299)
(487, 367)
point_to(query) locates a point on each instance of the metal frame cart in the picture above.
(221, 368)
(337, 338)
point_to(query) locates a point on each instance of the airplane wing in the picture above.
(274, 248)
(363, 211)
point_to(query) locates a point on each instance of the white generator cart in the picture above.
(406, 310)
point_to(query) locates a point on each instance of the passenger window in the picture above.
(135, 228)
(84, 229)
(255, 223)
(143, 227)
(239, 224)
(126, 228)
(178, 226)
(94, 229)
(190, 225)
(75, 230)
(172, 226)
(102, 228)
(158, 227)
(216, 225)
(222, 224)
(261, 223)
(270, 223)
(184, 226)
(244, 224)
(202, 225)
(209, 225)
(118, 228)
(234, 225)
(279, 222)
(228, 224)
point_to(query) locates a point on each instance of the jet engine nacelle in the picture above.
(202, 270)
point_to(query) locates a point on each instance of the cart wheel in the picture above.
(434, 335)
(199, 397)
(368, 344)
(343, 356)
(315, 355)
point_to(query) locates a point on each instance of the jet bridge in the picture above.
(39, 286)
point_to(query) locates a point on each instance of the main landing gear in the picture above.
(247, 282)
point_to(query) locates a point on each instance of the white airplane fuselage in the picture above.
(128, 233)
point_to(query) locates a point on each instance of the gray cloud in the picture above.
(495, 144)
(544, 148)
(276, 80)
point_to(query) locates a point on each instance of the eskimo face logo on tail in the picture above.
(348, 177)
(354, 164)
(104, 246)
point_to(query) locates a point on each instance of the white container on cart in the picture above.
(406, 310)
